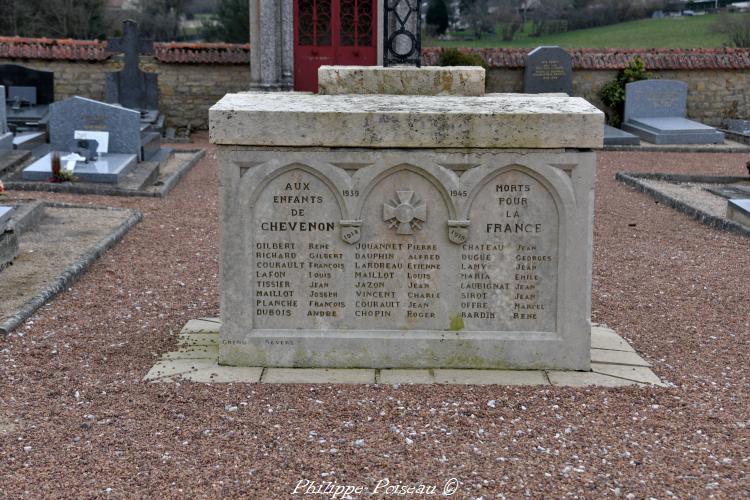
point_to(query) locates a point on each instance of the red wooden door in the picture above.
(332, 32)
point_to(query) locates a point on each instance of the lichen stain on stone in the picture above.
(456, 322)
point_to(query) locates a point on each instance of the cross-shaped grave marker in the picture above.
(131, 87)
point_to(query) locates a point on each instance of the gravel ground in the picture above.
(77, 421)
(74, 231)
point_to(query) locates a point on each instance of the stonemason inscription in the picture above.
(385, 258)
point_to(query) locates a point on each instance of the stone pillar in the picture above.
(271, 41)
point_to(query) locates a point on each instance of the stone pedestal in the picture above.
(406, 231)
(402, 80)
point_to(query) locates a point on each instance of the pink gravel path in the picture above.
(79, 422)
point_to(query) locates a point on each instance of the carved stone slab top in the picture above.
(402, 80)
(392, 121)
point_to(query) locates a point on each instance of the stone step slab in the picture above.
(617, 358)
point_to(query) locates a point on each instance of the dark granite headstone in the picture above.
(6, 137)
(131, 87)
(80, 113)
(12, 75)
(548, 69)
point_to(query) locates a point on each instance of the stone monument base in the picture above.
(109, 168)
(614, 363)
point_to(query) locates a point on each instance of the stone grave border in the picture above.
(729, 146)
(27, 219)
(736, 136)
(108, 189)
(633, 179)
(614, 363)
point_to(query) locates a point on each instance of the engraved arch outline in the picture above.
(562, 195)
(429, 176)
(278, 171)
(558, 185)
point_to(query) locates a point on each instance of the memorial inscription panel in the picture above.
(403, 271)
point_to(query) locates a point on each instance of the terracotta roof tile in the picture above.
(46, 48)
(225, 53)
(202, 53)
(615, 59)
(95, 50)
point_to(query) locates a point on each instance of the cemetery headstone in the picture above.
(31, 90)
(8, 239)
(655, 111)
(80, 113)
(6, 212)
(357, 233)
(739, 126)
(6, 136)
(131, 87)
(548, 70)
(73, 116)
(738, 210)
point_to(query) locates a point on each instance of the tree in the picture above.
(478, 15)
(736, 27)
(83, 19)
(437, 17)
(231, 23)
(160, 19)
(612, 93)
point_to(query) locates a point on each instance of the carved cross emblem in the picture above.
(406, 213)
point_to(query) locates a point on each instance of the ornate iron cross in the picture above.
(402, 33)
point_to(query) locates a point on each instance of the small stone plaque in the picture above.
(548, 69)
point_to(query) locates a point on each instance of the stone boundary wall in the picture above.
(717, 78)
(193, 77)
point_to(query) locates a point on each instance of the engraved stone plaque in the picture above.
(548, 69)
(366, 257)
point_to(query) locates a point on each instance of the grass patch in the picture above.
(670, 32)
